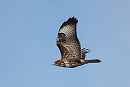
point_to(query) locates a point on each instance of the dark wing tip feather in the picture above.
(72, 20)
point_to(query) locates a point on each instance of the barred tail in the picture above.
(93, 61)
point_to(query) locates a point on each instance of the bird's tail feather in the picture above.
(93, 61)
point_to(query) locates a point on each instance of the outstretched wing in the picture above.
(67, 40)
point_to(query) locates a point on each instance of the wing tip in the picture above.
(72, 20)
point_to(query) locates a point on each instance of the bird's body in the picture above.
(69, 46)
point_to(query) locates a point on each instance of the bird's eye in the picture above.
(56, 63)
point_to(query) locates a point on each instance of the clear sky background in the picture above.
(28, 32)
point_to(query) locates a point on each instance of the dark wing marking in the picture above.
(69, 21)
(67, 40)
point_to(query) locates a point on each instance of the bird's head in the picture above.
(59, 63)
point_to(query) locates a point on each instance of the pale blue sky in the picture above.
(28, 31)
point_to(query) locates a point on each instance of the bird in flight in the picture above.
(69, 45)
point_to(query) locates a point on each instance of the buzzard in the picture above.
(68, 43)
